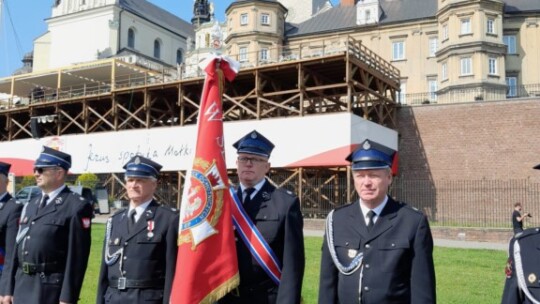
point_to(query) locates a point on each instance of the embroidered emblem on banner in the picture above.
(204, 203)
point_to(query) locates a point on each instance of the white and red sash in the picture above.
(254, 240)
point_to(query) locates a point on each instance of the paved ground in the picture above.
(102, 218)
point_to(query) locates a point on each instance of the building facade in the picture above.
(84, 31)
(447, 50)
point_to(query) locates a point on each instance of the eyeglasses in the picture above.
(41, 170)
(253, 160)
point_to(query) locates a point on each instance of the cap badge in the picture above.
(366, 145)
(253, 135)
(532, 278)
(137, 160)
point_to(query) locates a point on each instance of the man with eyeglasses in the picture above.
(53, 242)
(10, 211)
(275, 213)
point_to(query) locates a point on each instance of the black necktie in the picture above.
(131, 220)
(44, 200)
(247, 198)
(371, 214)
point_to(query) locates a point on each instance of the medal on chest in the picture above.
(150, 228)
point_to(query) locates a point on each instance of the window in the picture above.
(432, 89)
(444, 71)
(264, 54)
(131, 38)
(265, 19)
(242, 57)
(433, 43)
(368, 15)
(510, 41)
(490, 26)
(243, 19)
(466, 66)
(179, 56)
(403, 93)
(466, 26)
(157, 49)
(398, 50)
(492, 66)
(445, 31)
(511, 82)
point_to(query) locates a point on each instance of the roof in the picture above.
(158, 15)
(520, 6)
(393, 11)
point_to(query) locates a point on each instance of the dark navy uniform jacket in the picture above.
(276, 213)
(146, 257)
(397, 264)
(529, 245)
(10, 211)
(53, 245)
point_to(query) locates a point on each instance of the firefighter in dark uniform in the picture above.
(10, 211)
(523, 268)
(276, 214)
(140, 247)
(376, 250)
(53, 242)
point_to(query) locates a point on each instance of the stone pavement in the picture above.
(102, 218)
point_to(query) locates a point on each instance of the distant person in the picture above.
(522, 283)
(10, 212)
(139, 254)
(275, 213)
(517, 218)
(53, 242)
(376, 250)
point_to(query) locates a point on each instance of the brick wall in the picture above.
(491, 140)
(468, 163)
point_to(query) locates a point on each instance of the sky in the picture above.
(27, 23)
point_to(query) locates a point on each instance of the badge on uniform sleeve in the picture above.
(531, 278)
(86, 222)
(352, 253)
(508, 269)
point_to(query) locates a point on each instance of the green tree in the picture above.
(89, 180)
(28, 180)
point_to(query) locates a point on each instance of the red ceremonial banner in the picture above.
(207, 267)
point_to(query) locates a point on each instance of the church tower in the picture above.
(202, 12)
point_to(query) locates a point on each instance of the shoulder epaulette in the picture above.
(527, 232)
(410, 207)
(119, 211)
(346, 205)
(288, 192)
(170, 209)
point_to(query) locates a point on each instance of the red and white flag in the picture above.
(207, 267)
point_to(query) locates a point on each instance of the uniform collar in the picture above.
(53, 194)
(257, 187)
(140, 209)
(377, 209)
